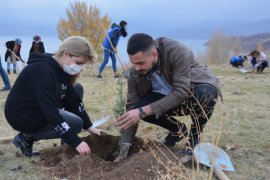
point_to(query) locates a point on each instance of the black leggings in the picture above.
(74, 121)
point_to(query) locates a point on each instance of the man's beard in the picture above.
(153, 68)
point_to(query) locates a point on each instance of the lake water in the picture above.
(196, 45)
(52, 43)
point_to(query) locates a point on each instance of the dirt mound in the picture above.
(64, 162)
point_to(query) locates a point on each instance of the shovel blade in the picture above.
(101, 121)
(209, 154)
(244, 70)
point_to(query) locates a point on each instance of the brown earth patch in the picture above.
(142, 163)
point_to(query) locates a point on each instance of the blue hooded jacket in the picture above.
(114, 35)
(236, 59)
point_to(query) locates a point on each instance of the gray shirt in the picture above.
(159, 83)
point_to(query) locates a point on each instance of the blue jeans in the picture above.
(14, 66)
(253, 62)
(4, 75)
(108, 54)
(263, 65)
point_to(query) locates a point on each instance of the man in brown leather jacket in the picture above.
(167, 81)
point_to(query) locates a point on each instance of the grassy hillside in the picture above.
(243, 117)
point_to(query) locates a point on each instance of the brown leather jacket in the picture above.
(180, 69)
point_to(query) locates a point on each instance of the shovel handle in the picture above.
(220, 174)
(5, 140)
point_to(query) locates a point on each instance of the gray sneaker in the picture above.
(99, 77)
(186, 152)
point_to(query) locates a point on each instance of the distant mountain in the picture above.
(249, 43)
(205, 29)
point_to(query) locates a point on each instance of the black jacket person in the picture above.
(43, 103)
(37, 46)
(13, 53)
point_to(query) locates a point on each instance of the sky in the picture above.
(25, 17)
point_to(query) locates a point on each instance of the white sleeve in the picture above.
(262, 56)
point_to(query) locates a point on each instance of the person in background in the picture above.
(37, 46)
(259, 60)
(237, 61)
(109, 50)
(43, 102)
(13, 53)
(166, 81)
(4, 77)
(253, 62)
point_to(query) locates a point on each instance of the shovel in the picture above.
(101, 121)
(244, 70)
(212, 156)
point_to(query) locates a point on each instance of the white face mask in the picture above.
(72, 69)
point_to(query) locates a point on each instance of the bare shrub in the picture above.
(219, 48)
(84, 20)
(237, 46)
(202, 58)
(260, 46)
(175, 166)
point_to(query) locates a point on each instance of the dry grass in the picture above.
(244, 116)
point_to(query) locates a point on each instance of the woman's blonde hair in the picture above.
(77, 46)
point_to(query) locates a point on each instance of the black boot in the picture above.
(25, 142)
(173, 138)
(193, 140)
(8, 71)
(170, 139)
(14, 71)
(194, 136)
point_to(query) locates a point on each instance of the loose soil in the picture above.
(65, 163)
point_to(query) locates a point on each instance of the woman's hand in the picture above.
(96, 131)
(83, 148)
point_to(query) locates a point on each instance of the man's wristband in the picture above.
(142, 113)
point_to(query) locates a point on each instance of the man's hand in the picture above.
(83, 148)
(115, 50)
(128, 119)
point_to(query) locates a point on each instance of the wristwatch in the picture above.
(142, 113)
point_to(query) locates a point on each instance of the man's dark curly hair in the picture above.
(139, 42)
